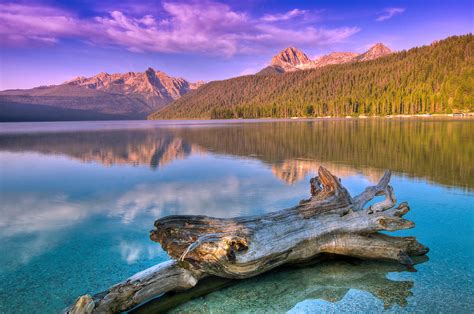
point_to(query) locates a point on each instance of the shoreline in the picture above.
(425, 115)
(4, 124)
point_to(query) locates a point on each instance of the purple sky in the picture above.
(49, 42)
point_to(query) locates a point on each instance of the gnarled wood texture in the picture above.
(329, 222)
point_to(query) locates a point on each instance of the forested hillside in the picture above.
(432, 79)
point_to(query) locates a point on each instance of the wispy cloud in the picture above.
(22, 24)
(199, 27)
(284, 16)
(388, 13)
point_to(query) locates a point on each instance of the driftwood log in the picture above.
(329, 222)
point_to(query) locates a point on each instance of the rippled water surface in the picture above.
(78, 200)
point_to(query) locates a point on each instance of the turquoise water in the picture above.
(78, 201)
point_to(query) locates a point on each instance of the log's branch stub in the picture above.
(370, 192)
(387, 203)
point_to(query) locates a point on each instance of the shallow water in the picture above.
(78, 200)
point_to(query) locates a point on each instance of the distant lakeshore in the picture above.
(426, 115)
(61, 125)
(455, 115)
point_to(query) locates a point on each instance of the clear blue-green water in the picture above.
(79, 198)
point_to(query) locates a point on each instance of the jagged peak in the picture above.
(290, 56)
(291, 49)
(102, 74)
(380, 48)
(161, 74)
(150, 69)
(376, 51)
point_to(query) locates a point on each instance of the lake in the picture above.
(78, 200)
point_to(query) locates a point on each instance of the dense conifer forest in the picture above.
(438, 78)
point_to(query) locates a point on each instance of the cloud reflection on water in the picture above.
(34, 212)
(40, 221)
(132, 251)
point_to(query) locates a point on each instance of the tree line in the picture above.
(438, 78)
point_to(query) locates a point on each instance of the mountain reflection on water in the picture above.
(434, 150)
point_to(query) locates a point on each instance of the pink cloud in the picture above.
(20, 24)
(388, 13)
(283, 17)
(200, 27)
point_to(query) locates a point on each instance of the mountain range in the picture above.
(292, 59)
(132, 95)
(435, 78)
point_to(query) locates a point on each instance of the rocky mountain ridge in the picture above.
(157, 87)
(292, 59)
(131, 95)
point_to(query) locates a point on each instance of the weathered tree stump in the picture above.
(329, 222)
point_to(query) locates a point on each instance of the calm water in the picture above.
(78, 200)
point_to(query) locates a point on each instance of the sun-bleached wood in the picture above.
(156, 280)
(329, 222)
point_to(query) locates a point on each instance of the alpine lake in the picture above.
(78, 199)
